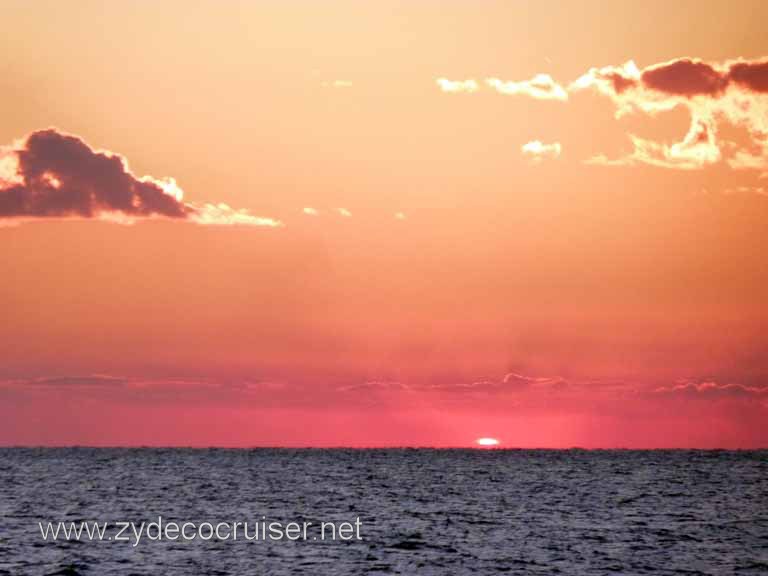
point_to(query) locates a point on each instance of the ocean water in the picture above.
(425, 511)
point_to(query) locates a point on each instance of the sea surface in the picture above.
(446, 512)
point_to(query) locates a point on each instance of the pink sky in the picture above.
(384, 224)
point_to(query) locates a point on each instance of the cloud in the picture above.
(685, 77)
(713, 389)
(49, 174)
(540, 87)
(308, 210)
(659, 86)
(735, 92)
(105, 382)
(537, 151)
(751, 75)
(612, 81)
(510, 383)
(518, 381)
(457, 86)
(223, 215)
(697, 149)
(479, 386)
(141, 387)
(375, 386)
(344, 212)
(759, 190)
(87, 381)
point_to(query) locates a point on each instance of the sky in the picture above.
(299, 223)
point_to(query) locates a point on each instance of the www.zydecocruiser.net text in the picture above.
(262, 530)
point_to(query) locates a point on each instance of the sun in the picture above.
(487, 442)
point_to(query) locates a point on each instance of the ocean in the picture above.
(393, 511)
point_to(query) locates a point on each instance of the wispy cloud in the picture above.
(711, 388)
(540, 87)
(536, 151)
(697, 149)
(457, 86)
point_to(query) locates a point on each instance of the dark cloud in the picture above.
(751, 75)
(55, 175)
(685, 77)
(60, 175)
(620, 82)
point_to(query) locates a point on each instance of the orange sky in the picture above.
(409, 254)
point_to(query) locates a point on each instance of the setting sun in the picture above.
(487, 442)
